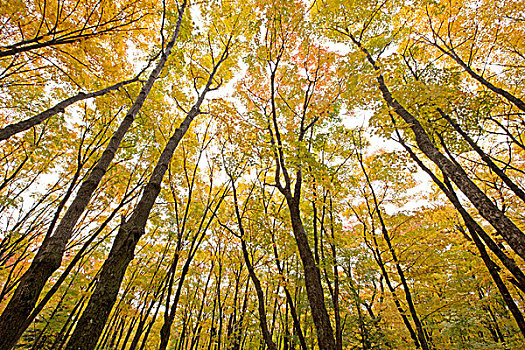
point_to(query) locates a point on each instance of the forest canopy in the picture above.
(302, 174)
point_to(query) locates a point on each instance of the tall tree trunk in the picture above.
(488, 210)
(395, 297)
(267, 336)
(508, 262)
(169, 314)
(485, 157)
(49, 256)
(334, 291)
(92, 321)
(449, 51)
(314, 289)
(406, 289)
(289, 300)
(474, 230)
(198, 323)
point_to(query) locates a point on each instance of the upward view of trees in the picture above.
(326, 174)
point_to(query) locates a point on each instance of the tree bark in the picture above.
(289, 300)
(488, 210)
(452, 54)
(92, 321)
(312, 276)
(267, 336)
(475, 231)
(508, 262)
(408, 295)
(49, 256)
(314, 288)
(485, 157)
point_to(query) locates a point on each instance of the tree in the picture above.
(49, 256)
(224, 175)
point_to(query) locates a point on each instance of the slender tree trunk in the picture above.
(498, 336)
(57, 344)
(508, 262)
(251, 271)
(507, 95)
(144, 318)
(49, 256)
(408, 295)
(150, 325)
(169, 314)
(334, 292)
(402, 313)
(53, 313)
(260, 299)
(92, 321)
(485, 157)
(239, 325)
(131, 326)
(493, 270)
(488, 210)
(198, 326)
(474, 229)
(289, 300)
(314, 289)
(95, 315)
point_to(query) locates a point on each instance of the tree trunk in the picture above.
(267, 336)
(49, 256)
(485, 157)
(399, 307)
(508, 262)
(488, 210)
(408, 295)
(474, 230)
(114, 268)
(289, 300)
(507, 95)
(314, 289)
(92, 321)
